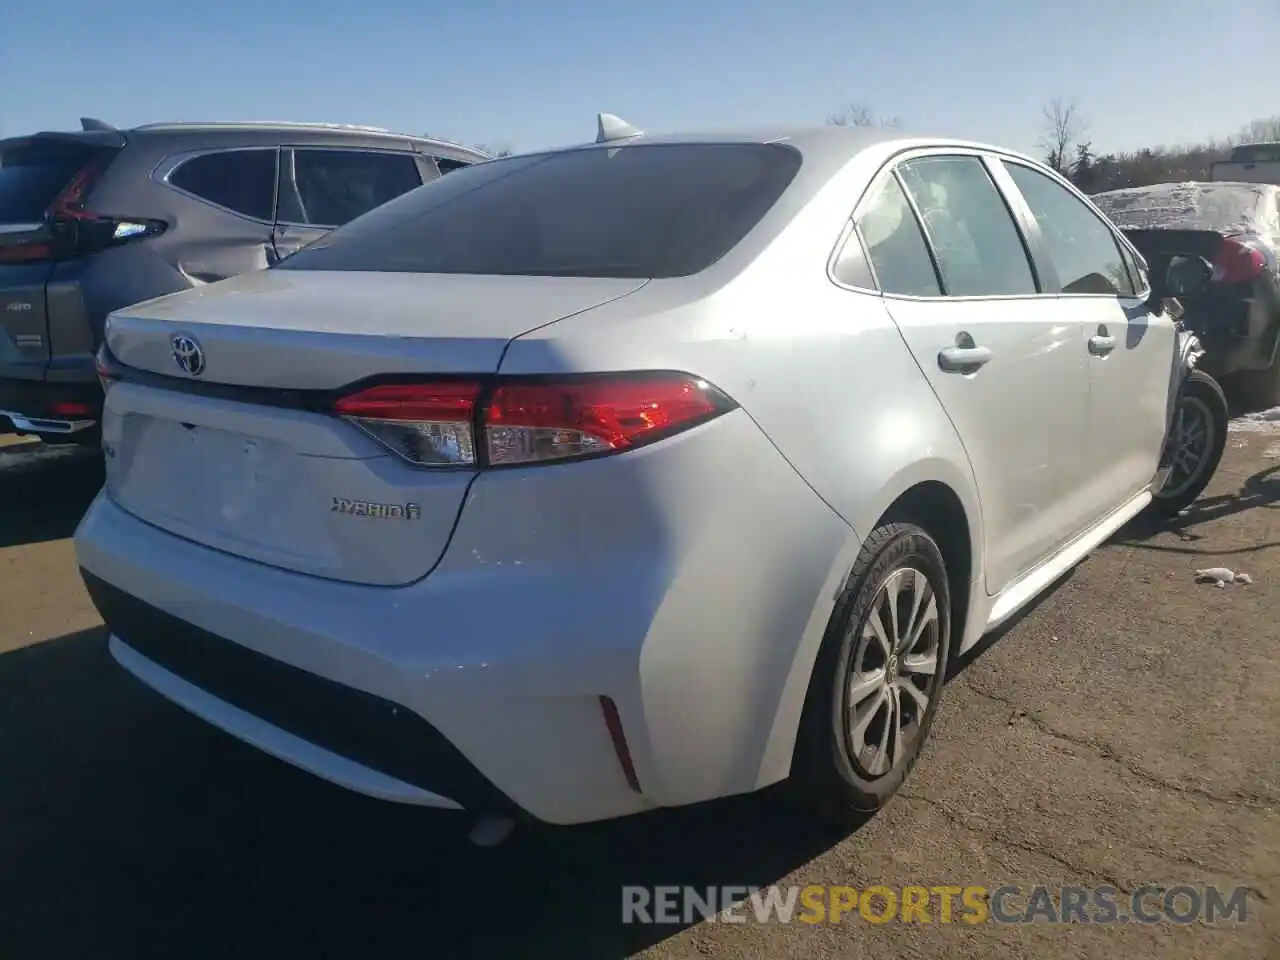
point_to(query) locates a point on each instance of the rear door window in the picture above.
(978, 248)
(336, 186)
(242, 181)
(1083, 248)
(643, 210)
(33, 173)
(894, 244)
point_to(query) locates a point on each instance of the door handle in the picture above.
(963, 359)
(1100, 345)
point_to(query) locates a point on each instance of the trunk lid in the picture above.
(24, 322)
(237, 458)
(302, 330)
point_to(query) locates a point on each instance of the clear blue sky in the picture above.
(534, 74)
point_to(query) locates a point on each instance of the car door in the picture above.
(1129, 348)
(322, 188)
(955, 271)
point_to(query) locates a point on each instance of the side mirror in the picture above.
(1186, 276)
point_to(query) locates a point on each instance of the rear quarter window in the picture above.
(242, 181)
(638, 211)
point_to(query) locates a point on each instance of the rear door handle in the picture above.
(1100, 345)
(963, 359)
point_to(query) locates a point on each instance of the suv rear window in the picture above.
(33, 173)
(646, 210)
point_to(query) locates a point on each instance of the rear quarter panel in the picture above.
(823, 373)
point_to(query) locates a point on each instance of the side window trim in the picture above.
(174, 162)
(851, 233)
(924, 232)
(294, 148)
(1121, 243)
(1042, 268)
(851, 240)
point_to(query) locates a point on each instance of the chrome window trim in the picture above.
(167, 167)
(889, 169)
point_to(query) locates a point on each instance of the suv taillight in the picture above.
(1238, 261)
(79, 231)
(511, 421)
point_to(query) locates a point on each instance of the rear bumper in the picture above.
(480, 686)
(178, 659)
(67, 399)
(1238, 334)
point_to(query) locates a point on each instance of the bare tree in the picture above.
(859, 114)
(1063, 126)
(1265, 130)
(495, 150)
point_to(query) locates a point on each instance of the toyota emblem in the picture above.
(188, 355)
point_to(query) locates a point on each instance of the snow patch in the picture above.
(1264, 421)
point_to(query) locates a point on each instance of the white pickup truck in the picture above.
(1249, 163)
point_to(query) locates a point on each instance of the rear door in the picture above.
(966, 298)
(1128, 349)
(34, 171)
(322, 188)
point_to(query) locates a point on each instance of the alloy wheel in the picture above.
(892, 672)
(1190, 443)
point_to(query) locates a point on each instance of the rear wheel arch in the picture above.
(941, 510)
(937, 508)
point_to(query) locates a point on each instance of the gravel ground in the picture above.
(1120, 733)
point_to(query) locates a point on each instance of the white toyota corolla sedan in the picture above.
(628, 475)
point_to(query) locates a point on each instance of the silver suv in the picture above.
(98, 219)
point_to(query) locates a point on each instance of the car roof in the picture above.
(831, 142)
(253, 133)
(288, 129)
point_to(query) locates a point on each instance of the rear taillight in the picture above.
(430, 424)
(70, 202)
(78, 231)
(1238, 261)
(513, 421)
(25, 251)
(102, 363)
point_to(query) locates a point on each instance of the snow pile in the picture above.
(1193, 205)
(1264, 421)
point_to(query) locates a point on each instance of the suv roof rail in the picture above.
(89, 123)
(302, 125)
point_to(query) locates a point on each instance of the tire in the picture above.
(1204, 400)
(830, 777)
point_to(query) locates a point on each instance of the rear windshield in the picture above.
(32, 174)
(657, 210)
